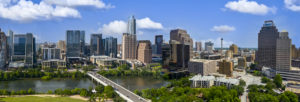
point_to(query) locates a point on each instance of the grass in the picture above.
(39, 99)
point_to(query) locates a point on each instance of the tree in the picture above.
(284, 98)
(278, 81)
(84, 93)
(265, 80)
(292, 97)
(242, 83)
(109, 91)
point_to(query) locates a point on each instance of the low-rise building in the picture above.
(106, 61)
(199, 81)
(242, 63)
(228, 82)
(54, 63)
(202, 66)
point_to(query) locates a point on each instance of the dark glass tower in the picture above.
(96, 44)
(75, 43)
(158, 43)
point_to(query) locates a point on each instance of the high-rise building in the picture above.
(10, 41)
(180, 55)
(158, 43)
(267, 38)
(295, 52)
(198, 46)
(110, 46)
(97, 46)
(129, 46)
(75, 42)
(226, 67)
(24, 49)
(203, 67)
(242, 63)
(209, 46)
(62, 46)
(144, 51)
(3, 50)
(283, 52)
(234, 48)
(131, 26)
(181, 36)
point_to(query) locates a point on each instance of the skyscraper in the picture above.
(234, 48)
(267, 37)
(209, 46)
(198, 46)
(10, 41)
(129, 43)
(283, 52)
(110, 47)
(97, 44)
(131, 25)
(226, 67)
(158, 43)
(62, 46)
(144, 51)
(75, 43)
(3, 50)
(24, 49)
(181, 36)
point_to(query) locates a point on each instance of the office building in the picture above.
(181, 36)
(234, 48)
(129, 46)
(61, 44)
(267, 37)
(209, 46)
(3, 50)
(283, 52)
(295, 52)
(166, 55)
(202, 66)
(198, 46)
(131, 26)
(226, 67)
(51, 53)
(75, 42)
(96, 45)
(228, 54)
(10, 42)
(179, 55)
(199, 81)
(144, 51)
(110, 47)
(24, 49)
(158, 44)
(242, 63)
(54, 63)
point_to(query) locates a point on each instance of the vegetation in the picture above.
(39, 99)
(37, 73)
(20, 92)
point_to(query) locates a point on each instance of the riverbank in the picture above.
(43, 98)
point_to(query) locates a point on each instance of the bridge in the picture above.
(123, 92)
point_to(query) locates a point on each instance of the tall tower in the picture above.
(266, 54)
(131, 27)
(283, 52)
(221, 47)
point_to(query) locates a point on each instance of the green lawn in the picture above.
(39, 99)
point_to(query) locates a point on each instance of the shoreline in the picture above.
(49, 95)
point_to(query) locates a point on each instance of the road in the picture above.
(130, 95)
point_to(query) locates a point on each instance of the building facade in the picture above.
(129, 46)
(242, 63)
(158, 43)
(75, 42)
(209, 46)
(283, 52)
(3, 50)
(110, 47)
(234, 48)
(97, 46)
(203, 67)
(198, 46)
(226, 67)
(51, 53)
(61, 44)
(183, 37)
(144, 51)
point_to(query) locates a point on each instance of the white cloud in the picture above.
(223, 29)
(114, 27)
(72, 3)
(147, 23)
(26, 10)
(251, 7)
(217, 42)
(120, 27)
(293, 5)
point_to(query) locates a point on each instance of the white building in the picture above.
(199, 81)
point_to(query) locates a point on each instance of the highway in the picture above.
(123, 92)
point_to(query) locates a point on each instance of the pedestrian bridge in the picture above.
(123, 92)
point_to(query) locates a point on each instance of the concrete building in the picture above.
(75, 42)
(180, 55)
(51, 53)
(199, 81)
(144, 51)
(106, 61)
(166, 55)
(234, 48)
(242, 63)
(158, 43)
(10, 41)
(226, 67)
(198, 46)
(3, 50)
(96, 44)
(24, 49)
(267, 37)
(61, 44)
(54, 63)
(181, 36)
(209, 46)
(283, 52)
(228, 54)
(202, 66)
(129, 46)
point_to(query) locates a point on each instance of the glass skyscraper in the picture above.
(96, 44)
(111, 46)
(75, 42)
(158, 43)
(131, 25)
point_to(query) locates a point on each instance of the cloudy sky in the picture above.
(237, 21)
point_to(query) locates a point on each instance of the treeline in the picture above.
(101, 93)
(180, 91)
(20, 92)
(36, 73)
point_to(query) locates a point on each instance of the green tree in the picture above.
(278, 81)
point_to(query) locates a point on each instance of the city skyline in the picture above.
(237, 25)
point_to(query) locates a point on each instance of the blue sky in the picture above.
(237, 21)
